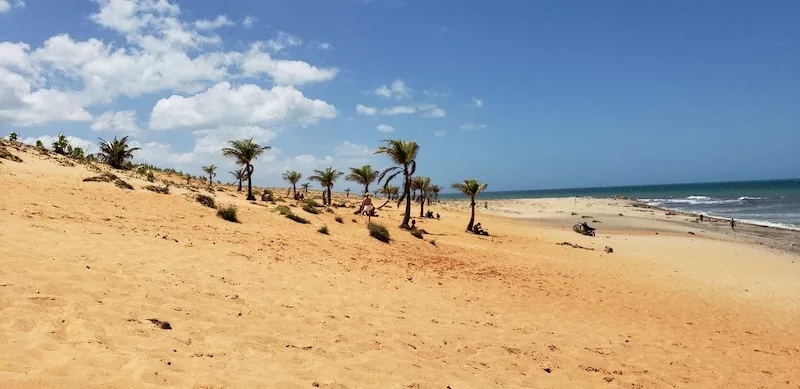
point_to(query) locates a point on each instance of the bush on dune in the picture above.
(310, 209)
(228, 213)
(283, 210)
(378, 232)
(297, 219)
(339, 219)
(416, 233)
(208, 201)
(323, 230)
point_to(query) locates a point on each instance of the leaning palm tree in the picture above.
(244, 151)
(292, 177)
(326, 178)
(470, 188)
(116, 152)
(305, 187)
(364, 175)
(211, 170)
(403, 154)
(239, 175)
(424, 186)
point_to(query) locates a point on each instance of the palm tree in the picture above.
(326, 178)
(470, 188)
(211, 170)
(364, 175)
(305, 187)
(391, 191)
(347, 191)
(403, 154)
(293, 178)
(116, 152)
(244, 151)
(239, 175)
(423, 184)
(434, 195)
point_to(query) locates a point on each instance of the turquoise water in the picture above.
(774, 203)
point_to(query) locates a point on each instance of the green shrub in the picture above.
(283, 210)
(150, 176)
(310, 209)
(12, 136)
(312, 203)
(378, 232)
(296, 218)
(61, 144)
(228, 213)
(416, 233)
(339, 219)
(40, 146)
(323, 230)
(329, 210)
(208, 201)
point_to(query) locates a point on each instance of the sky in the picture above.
(519, 94)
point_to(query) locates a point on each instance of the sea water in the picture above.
(774, 203)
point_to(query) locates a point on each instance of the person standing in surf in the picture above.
(733, 224)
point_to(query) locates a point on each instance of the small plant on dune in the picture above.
(12, 136)
(312, 203)
(283, 210)
(416, 233)
(296, 218)
(433, 242)
(208, 201)
(339, 219)
(158, 189)
(61, 144)
(4, 154)
(228, 213)
(311, 209)
(354, 220)
(40, 146)
(76, 153)
(329, 210)
(323, 230)
(378, 232)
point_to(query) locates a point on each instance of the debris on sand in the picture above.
(609, 249)
(164, 325)
(573, 245)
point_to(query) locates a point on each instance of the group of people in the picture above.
(299, 196)
(429, 215)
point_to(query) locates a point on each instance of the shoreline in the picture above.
(615, 216)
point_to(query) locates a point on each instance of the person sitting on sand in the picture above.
(438, 217)
(265, 196)
(478, 229)
(414, 227)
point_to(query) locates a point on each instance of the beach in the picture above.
(89, 272)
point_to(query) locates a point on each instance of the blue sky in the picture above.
(521, 94)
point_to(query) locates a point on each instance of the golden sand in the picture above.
(269, 303)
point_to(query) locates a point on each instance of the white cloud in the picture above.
(248, 104)
(5, 5)
(284, 72)
(438, 133)
(15, 55)
(117, 121)
(249, 21)
(88, 147)
(472, 126)
(435, 93)
(478, 103)
(219, 21)
(324, 46)
(365, 110)
(432, 111)
(352, 150)
(211, 141)
(385, 128)
(399, 110)
(21, 104)
(398, 90)
(282, 41)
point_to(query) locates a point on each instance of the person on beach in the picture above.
(366, 207)
(701, 218)
(733, 224)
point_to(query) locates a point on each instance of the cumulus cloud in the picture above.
(282, 71)
(22, 104)
(249, 21)
(282, 41)
(5, 5)
(116, 121)
(352, 150)
(398, 90)
(385, 128)
(432, 111)
(224, 104)
(472, 126)
(399, 110)
(219, 21)
(365, 110)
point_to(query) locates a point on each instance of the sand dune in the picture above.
(269, 303)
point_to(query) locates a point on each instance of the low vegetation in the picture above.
(109, 177)
(297, 219)
(228, 213)
(208, 201)
(158, 189)
(416, 233)
(283, 210)
(4, 154)
(311, 202)
(339, 219)
(323, 230)
(378, 232)
(310, 209)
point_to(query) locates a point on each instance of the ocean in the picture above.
(773, 203)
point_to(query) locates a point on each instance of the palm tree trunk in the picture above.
(250, 196)
(329, 196)
(472, 218)
(240, 186)
(294, 190)
(421, 206)
(407, 193)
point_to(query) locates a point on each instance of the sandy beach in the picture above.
(89, 270)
